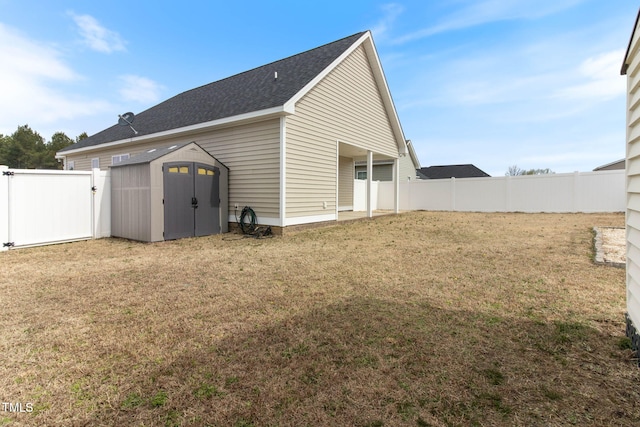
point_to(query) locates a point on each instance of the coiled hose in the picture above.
(247, 228)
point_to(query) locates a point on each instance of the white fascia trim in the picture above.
(275, 111)
(309, 219)
(283, 170)
(414, 156)
(387, 99)
(261, 220)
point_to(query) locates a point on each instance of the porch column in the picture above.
(369, 179)
(396, 185)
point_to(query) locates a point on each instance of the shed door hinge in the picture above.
(8, 173)
(8, 245)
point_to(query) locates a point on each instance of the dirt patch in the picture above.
(425, 318)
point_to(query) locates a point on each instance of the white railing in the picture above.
(39, 207)
(602, 191)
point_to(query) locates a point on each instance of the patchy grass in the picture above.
(428, 319)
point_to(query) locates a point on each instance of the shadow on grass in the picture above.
(370, 362)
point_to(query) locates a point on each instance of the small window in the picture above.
(204, 171)
(95, 163)
(173, 169)
(361, 175)
(71, 165)
(118, 158)
(184, 169)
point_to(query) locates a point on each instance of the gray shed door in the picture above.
(207, 213)
(191, 200)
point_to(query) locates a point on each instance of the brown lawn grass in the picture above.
(427, 319)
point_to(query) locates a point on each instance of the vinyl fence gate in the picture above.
(39, 207)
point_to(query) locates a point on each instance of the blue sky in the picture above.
(533, 83)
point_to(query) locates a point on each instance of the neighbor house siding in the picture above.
(380, 172)
(633, 181)
(407, 168)
(250, 151)
(345, 106)
(345, 183)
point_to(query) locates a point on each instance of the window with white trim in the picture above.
(71, 165)
(118, 158)
(95, 163)
(361, 175)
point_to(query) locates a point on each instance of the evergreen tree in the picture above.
(26, 149)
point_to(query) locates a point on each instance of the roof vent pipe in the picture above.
(275, 75)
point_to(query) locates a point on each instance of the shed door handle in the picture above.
(194, 202)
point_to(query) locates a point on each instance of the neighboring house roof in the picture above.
(451, 171)
(625, 65)
(271, 89)
(618, 164)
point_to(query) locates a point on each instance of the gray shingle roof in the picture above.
(250, 91)
(452, 171)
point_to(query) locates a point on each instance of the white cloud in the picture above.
(391, 12)
(139, 89)
(96, 36)
(600, 78)
(29, 81)
(486, 11)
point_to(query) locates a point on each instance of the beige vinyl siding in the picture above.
(252, 154)
(633, 181)
(250, 151)
(345, 183)
(345, 106)
(407, 168)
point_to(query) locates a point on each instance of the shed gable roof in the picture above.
(256, 90)
(152, 154)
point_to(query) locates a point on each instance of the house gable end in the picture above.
(365, 42)
(345, 108)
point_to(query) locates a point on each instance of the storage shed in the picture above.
(169, 193)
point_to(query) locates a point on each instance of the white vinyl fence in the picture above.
(602, 191)
(39, 207)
